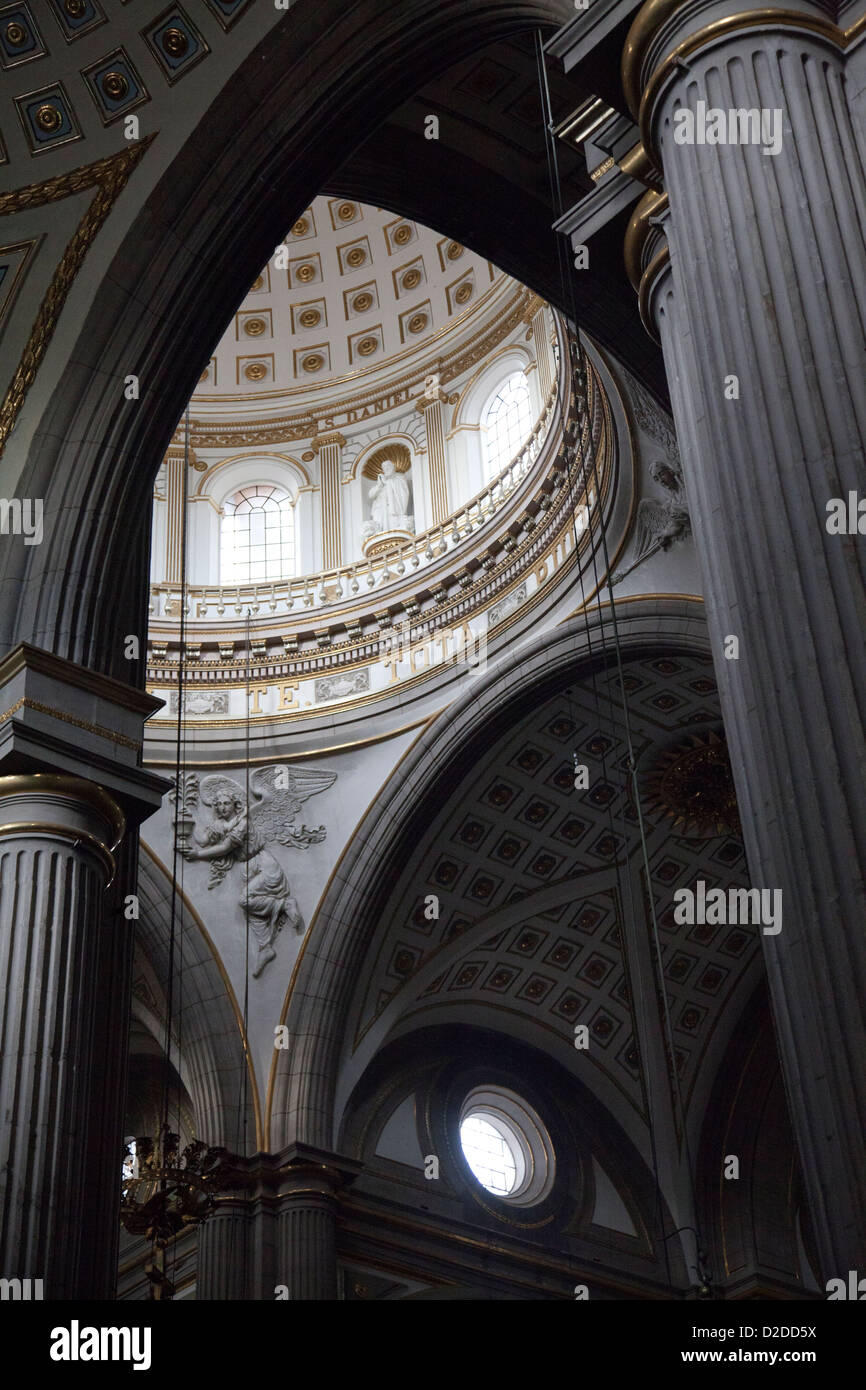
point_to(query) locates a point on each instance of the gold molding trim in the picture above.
(650, 205)
(64, 832)
(296, 757)
(240, 431)
(648, 279)
(98, 729)
(109, 177)
(76, 788)
(655, 13)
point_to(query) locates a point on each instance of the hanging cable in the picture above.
(581, 379)
(176, 856)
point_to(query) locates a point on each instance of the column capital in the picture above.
(319, 441)
(61, 719)
(664, 32)
(283, 1174)
(436, 397)
(646, 251)
(58, 807)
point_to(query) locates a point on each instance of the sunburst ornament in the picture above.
(692, 784)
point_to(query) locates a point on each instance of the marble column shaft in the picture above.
(767, 283)
(56, 838)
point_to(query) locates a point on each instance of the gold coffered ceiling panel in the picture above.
(357, 293)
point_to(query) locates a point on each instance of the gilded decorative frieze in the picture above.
(108, 177)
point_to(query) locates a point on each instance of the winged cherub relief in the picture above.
(238, 834)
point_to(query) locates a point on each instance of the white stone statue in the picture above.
(389, 502)
(239, 834)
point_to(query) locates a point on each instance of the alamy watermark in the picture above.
(743, 125)
(738, 906)
(21, 1290)
(22, 517)
(77, 1343)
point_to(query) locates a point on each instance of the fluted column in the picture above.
(759, 298)
(543, 354)
(431, 408)
(57, 837)
(174, 504)
(329, 448)
(70, 775)
(224, 1265)
(307, 1251)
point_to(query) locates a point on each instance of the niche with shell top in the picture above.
(387, 499)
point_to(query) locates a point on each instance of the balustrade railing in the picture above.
(323, 590)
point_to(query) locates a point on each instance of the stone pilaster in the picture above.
(329, 448)
(756, 285)
(307, 1252)
(274, 1231)
(543, 353)
(174, 504)
(224, 1255)
(70, 782)
(431, 408)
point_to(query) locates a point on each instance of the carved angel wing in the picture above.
(652, 521)
(278, 794)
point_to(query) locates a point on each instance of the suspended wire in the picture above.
(581, 379)
(176, 869)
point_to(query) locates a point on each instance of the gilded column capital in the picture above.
(665, 33)
(57, 806)
(646, 251)
(319, 441)
(429, 398)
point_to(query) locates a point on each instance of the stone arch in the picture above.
(175, 276)
(303, 1085)
(208, 1055)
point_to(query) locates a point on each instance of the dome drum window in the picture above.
(508, 421)
(257, 536)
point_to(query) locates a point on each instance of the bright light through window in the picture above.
(508, 421)
(489, 1153)
(130, 1161)
(257, 540)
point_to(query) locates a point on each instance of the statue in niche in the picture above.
(238, 834)
(389, 502)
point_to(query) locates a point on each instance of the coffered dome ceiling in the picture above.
(353, 293)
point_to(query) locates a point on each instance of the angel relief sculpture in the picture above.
(238, 834)
(658, 525)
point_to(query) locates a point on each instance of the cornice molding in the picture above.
(363, 405)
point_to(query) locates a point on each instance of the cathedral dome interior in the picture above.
(432, 856)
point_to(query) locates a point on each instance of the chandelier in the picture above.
(167, 1191)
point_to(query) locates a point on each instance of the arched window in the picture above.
(257, 537)
(508, 421)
